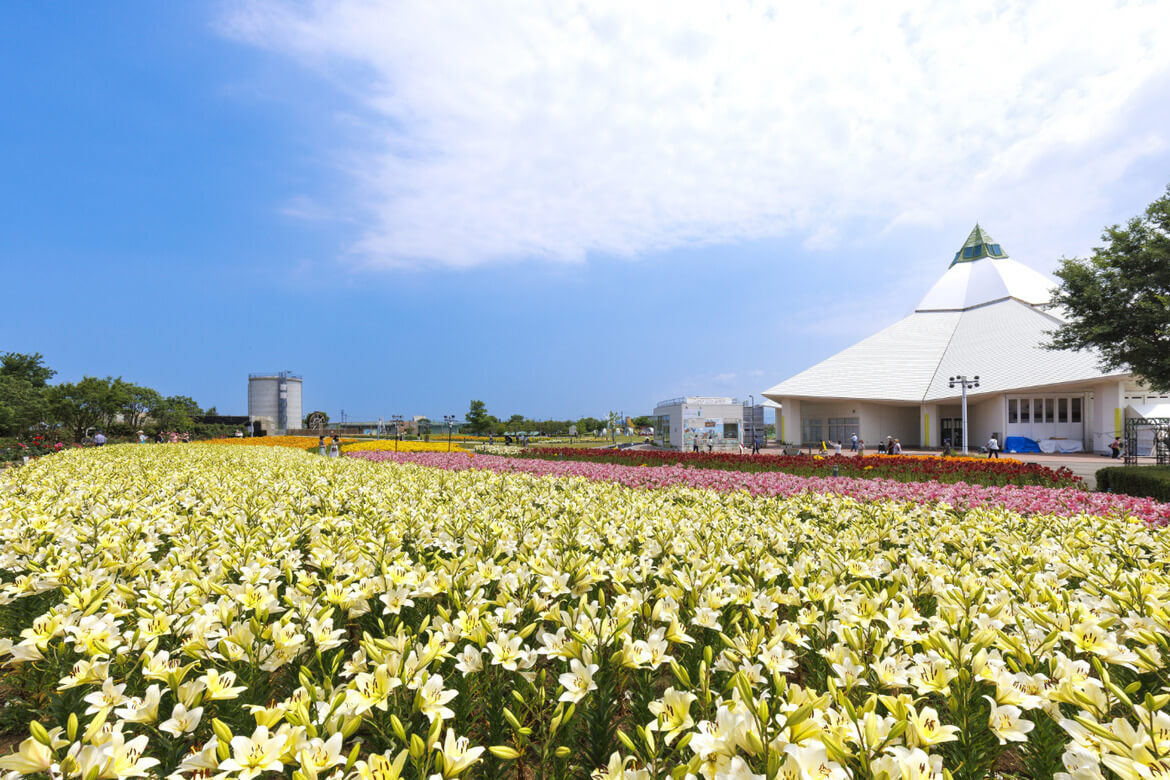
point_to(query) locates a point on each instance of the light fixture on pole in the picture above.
(397, 418)
(450, 420)
(972, 383)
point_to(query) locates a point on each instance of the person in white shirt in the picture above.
(993, 448)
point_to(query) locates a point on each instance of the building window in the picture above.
(1049, 410)
(730, 430)
(1024, 405)
(1037, 410)
(1062, 410)
(842, 428)
(1013, 410)
(1075, 415)
(812, 429)
(968, 252)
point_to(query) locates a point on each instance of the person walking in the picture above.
(695, 443)
(321, 444)
(335, 448)
(993, 447)
(710, 443)
(756, 445)
(853, 447)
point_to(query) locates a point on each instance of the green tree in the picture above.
(81, 405)
(136, 402)
(1118, 300)
(477, 417)
(587, 425)
(176, 413)
(23, 394)
(30, 368)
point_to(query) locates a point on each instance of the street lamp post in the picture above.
(972, 383)
(450, 420)
(397, 418)
(752, 412)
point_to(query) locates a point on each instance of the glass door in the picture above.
(952, 432)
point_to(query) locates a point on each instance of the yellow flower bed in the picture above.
(402, 446)
(244, 612)
(297, 442)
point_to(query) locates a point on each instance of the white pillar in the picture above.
(928, 424)
(1108, 413)
(788, 421)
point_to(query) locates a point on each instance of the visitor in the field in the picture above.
(1115, 447)
(756, 445)
(993, 447)
(853, 448)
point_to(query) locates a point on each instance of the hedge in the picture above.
(1142, 481)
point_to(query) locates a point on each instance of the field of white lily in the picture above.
(248, 612)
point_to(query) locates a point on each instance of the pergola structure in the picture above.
(1160, 427)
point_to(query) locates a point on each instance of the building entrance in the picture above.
(952, 432)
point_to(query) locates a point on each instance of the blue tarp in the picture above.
(1020, 444)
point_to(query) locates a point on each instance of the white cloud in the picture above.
(507, 130)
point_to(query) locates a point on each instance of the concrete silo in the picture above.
(274, 401)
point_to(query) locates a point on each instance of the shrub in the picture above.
(1143, 481)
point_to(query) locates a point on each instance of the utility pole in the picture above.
(397, 418)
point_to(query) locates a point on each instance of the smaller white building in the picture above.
(714, 423)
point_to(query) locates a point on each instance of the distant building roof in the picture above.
(698, 399)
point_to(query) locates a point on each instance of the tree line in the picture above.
(478, 421)
(29, 403)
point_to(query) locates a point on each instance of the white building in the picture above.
(986, 316)
(680, 422)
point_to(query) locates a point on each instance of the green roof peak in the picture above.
(978, 246)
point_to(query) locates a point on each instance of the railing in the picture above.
(698, 400)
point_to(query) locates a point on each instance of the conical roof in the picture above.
(978, 245)
(984, 314)
(982, 273)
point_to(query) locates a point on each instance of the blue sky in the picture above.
(557, 209)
